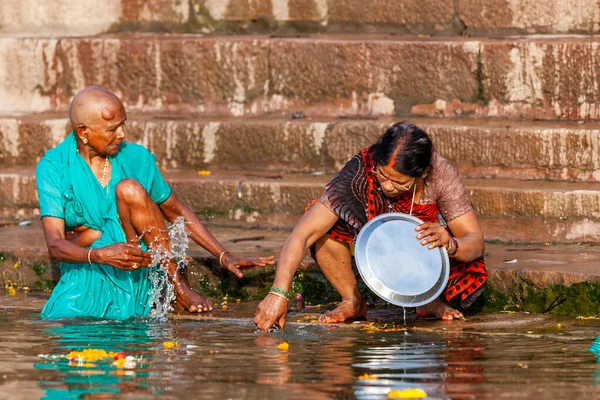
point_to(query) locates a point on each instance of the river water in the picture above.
(226, 358)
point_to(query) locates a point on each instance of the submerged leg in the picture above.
(335, 261)
(140, 214)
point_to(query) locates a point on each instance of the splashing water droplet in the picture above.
(162, 292)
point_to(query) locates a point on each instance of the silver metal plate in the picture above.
(395, 265)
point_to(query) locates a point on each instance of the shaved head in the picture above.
(93, 105)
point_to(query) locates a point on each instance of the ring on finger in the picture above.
(434, 244)
(134, 266)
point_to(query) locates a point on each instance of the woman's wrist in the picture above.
(221, 256)
(452, 247)
(277, 291)
(96, 255)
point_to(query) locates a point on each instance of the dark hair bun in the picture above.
(405, 146)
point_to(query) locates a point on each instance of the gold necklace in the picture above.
(104, 172)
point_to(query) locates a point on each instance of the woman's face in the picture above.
(107, 133)
(392, 182)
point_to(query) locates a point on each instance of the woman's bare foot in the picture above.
(351, 308)
(440, 310)
(187, 299)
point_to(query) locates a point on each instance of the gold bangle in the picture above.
(90, 256)
(279, 295)
(221, 257)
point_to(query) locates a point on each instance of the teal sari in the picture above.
(68, 190)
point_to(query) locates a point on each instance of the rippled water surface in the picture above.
(228, 359)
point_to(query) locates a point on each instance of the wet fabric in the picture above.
(68, 190)
(354, 196)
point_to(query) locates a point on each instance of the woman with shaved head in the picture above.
(98, 194)
(399, 173)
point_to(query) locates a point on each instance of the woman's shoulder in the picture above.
(441, 169)
(54, 159)
(135, 153)
(441, 177)
(134, 150)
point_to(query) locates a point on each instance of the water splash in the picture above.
(162, 293)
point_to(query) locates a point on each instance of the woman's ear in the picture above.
(427, 170)
(82, 133)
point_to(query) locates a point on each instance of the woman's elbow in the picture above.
(480, 247)
(54, 250)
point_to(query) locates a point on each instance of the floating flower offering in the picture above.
(283, 346)
(373, 327)
(88, 357)
(407, 394)
(584, 318)
(367, 377)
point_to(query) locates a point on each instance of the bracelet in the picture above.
(278, 291)
(280, 295)
(454, 247)
(90, 256)
(449, 246)
(221, 258)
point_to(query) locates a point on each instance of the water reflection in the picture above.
(140, 338)
(437, 367)
(595, 348)
(229, 359)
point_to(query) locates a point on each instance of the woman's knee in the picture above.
(325, 245)
(131, 191)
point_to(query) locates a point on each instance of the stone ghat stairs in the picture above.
(529, 181)
(273, 96)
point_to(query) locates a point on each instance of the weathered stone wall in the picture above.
(445, 17)
(567, 152)
(511, 78)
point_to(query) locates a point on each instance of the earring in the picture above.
(85, 141)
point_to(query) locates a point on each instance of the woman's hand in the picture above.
(125, 256)
(237, 265)
(271, 311)
(433, 234)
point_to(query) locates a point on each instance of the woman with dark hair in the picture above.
(399, 173)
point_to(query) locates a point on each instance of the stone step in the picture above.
(521, 278)
(478, 148)
(510, 210)
(330, 75)
(472, 17)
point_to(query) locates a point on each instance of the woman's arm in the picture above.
(120, 255)
(59, 247)
(173, 207)
(469, 236)
(314, 224)
(465, 230)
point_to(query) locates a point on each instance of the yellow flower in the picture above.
(89, 355)
(283, 346)
(365, 377)
(170, 345)
(407, 394)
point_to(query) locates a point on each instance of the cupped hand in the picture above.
(237, 265)
(271, 311)
(125, 256)
(433, 235)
